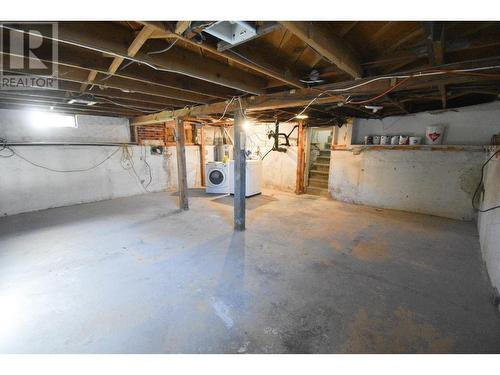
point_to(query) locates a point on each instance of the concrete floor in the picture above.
(310, 275)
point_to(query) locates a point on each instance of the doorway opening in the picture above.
(318, 165)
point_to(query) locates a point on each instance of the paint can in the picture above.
(404, 140)
(376, 139)
(385, 140)
(415, 140)
(434, 134)
(368, 140)
(395, 140)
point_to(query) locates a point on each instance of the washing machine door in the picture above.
(216, 177)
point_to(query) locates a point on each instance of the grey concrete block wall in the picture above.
(431, 182)
(473, 125)
(489, 222)
(26, 126)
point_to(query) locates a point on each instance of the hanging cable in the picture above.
(480, 184)
(14, 152)
(165, 49)
(126, 162)
(138, 109)
(404, 77)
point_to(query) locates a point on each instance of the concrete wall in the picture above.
(431, 182)
(489, 222)
(24, 187)
(23, 126)
(473, 125)
(278, 168)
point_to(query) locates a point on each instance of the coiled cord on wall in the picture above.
(481, 184)
(126, 162)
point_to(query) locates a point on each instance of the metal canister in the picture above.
(404, 140)
(415, 140)
(385, 140)
(395, 140)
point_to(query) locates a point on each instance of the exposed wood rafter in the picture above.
(262, 67)
(134, 47)
(328, 45)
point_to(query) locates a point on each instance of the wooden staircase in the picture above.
(318, 175)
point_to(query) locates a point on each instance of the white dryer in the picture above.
(253, 177)
(217, 178)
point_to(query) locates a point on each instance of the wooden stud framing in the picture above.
(181, 164)
(299, 184)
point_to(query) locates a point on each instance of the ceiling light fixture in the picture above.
(81, 101)
(301, 116)
(374, 108)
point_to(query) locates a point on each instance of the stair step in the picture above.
(315, 171)
(324, 152)
(317, 191)
(318, 183)
(320, 167)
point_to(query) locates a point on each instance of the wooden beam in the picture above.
(301, 165)
(239, 172)
(346, 28)
(182, 26)
(303, 97)
(181, 164)
(170, 96)
(73, 57)
(435, 46)
(89, 35)
(261, 67)
(328, 45)
(134, 47)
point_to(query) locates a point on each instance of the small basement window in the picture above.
(41, 119)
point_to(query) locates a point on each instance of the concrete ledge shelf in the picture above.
(449, 148)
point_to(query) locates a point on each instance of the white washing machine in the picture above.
(253, 177)
(217, 178)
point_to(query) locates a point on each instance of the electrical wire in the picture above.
(392, 88)
(138, 109)
(481, 184)
(164, 49)
(14, 152)
(469, 71)
(126, 162)
(225, 109)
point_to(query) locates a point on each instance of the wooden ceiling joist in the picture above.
(328, 45)
(260, 67)
(435, 45)
(180, 61)
(305, 96)
(134, 47)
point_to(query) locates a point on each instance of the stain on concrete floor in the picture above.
(135, 275)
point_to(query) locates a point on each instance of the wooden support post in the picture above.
(239, 171)
(202, 155)
(299, 183)
(181, 163)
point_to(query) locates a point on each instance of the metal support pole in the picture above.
(239, 171)
(202, 155)
(181, 163)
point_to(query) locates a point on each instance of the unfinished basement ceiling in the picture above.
(132, 68)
